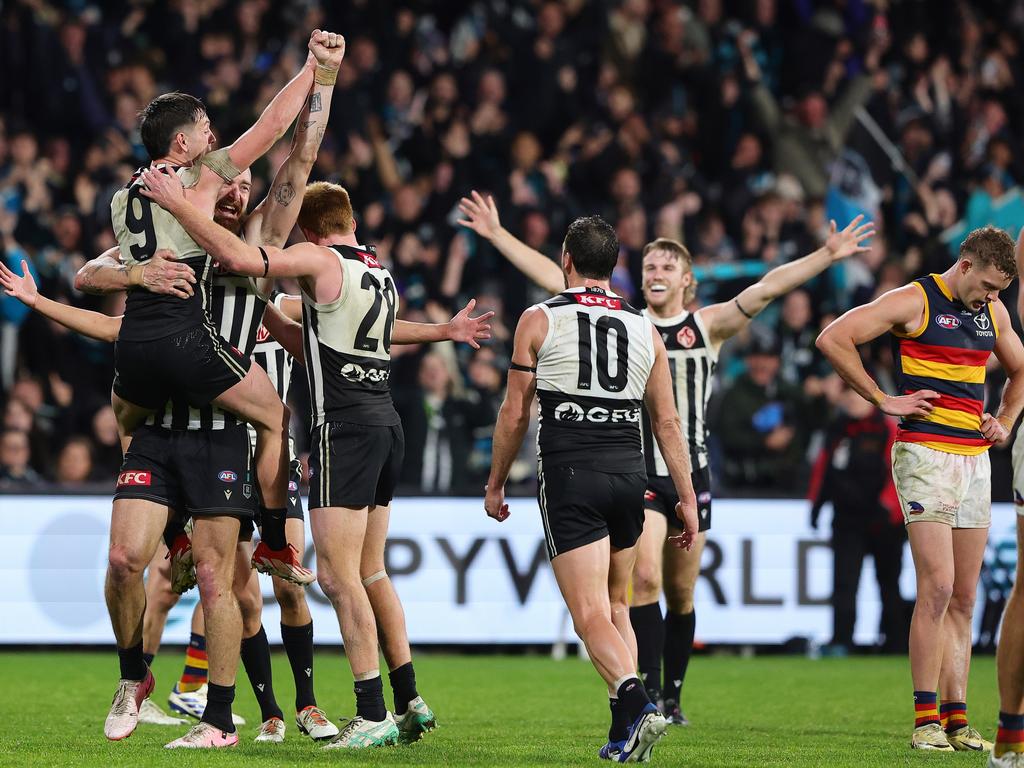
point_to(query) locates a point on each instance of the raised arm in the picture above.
(668, 431)
(300, 260)
(22, 287)
(514, 415)
(482, 217)
(462, 327)
(901, 310)
(279, 211)
(160, 274)
(725, 320)
(1010, 352)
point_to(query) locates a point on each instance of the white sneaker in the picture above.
(151, 714)
(271, 731)
(931, 737)
(1009, 760)
(124, 709)
(360, 734)
(204, 736)
(313, 722)
(193, 703)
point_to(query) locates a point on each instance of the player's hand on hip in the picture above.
(494, 503)
(21, 287)
(993, 429)
(163, 186)
(327, 47)
(162, 274)
(915, 404)
(470, 330)
(481, 215)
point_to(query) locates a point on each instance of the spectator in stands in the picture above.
(74, 463)
(15, 472)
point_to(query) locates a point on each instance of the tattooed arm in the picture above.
(276, 215)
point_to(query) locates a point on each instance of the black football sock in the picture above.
(370, 699)
(298, 644)
(174, 528)
(256, 660)
(632, 698)
(133, 663)
(619, 729)
(649, 627)
(403, 685)
(148, 657)
(679, 628)
(272, 527)
(218, 707)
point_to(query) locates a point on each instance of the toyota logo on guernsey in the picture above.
(593, 300)
(949, 322)
(227, 476)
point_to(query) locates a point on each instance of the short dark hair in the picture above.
(990, 245)
(163, 117)
(594, 248)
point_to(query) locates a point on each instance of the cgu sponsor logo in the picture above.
(135, 478)
(949, 322)
(593, 300)
(356, 373)
(596, 415)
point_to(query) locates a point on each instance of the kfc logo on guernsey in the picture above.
(593, 300)
(368, 259)
(134, 478)
(949, 322)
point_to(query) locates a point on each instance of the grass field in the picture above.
(503, 710)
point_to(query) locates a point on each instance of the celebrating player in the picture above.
(349, 308)
(237, 306)
(591, 359)
(944, 328)
(692, 341)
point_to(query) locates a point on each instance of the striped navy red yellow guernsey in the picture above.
(947, 354)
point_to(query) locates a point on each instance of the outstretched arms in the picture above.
(482, 217)
(22, 287)
(725, 320)
(161, 274)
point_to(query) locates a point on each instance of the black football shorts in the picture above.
(661, 497)
(354, 465)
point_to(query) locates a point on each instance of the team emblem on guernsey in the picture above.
(262, 334)
(915, 508)
(1018, 499)
(686, 337)
(227, 476)
(949, 322)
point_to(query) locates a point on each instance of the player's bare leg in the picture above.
(159, 602)
(645, 612)
(339, 533)
(931, 544)
(214, 542)
(620, 573)
(135, 529)
(681, 569)
(255, 400)
(583, 578)
(1008, 751)
(129, 418)
(968, 553)
(413, 716)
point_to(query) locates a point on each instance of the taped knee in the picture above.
(374, 577)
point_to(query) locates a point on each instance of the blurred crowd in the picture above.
(738, 127)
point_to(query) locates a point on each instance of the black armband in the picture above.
(523, 368)
(738, 306)
(266, 265)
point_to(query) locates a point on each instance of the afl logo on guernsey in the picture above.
(686, 337)
(227, 476)
(949, 322)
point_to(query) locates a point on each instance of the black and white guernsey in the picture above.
(692, 361)
(592, 372)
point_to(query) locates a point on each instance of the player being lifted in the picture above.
(943, 330)
(168, 347)
(236, 310)
(692, 341)
(591, 359)
(349, 316)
